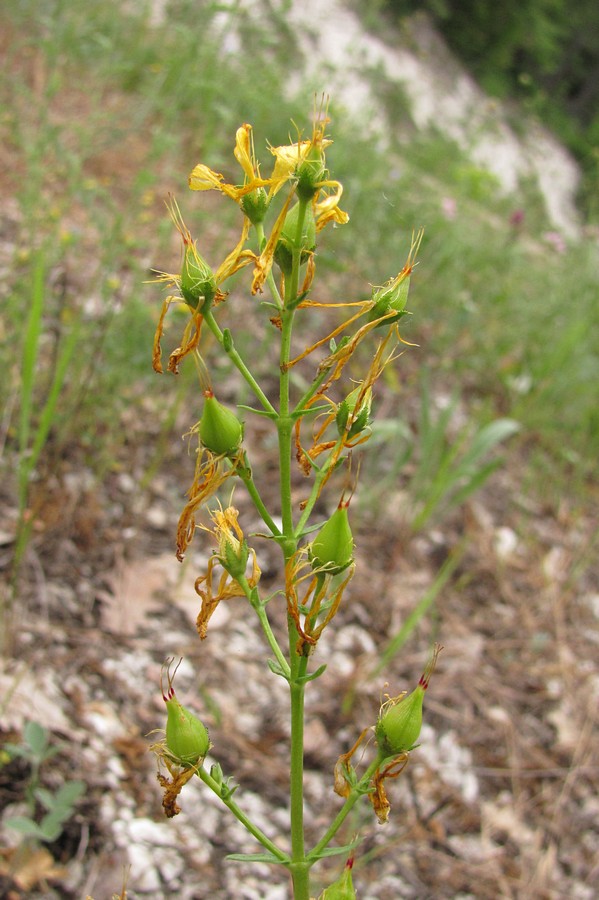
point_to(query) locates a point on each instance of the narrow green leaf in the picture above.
(30, 349)
(276, 669)
(46, 419)
(303, 679)
(258, 412)
(334, 851)
(258, 857)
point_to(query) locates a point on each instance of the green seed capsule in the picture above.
(220, 430)
(398, 729)
(400, 722)
(333, 547)
(348, 407)
(288, 238)
(233, 554)
(393, 296)
(311, 172)
(187, 739)
(343, 888)
(197, 282)
(255, 205)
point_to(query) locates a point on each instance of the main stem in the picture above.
(299, 866)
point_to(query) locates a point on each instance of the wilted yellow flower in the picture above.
(196, 285)
(203, 178)
(288, 163)
(327, 209)
(232, 555)
(319, 604)
(289, 158)
(305, 160)
(211, 472)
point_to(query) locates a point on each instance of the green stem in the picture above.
(285, 420)
(245, 473)
(300, 875)
(312, 390)
(285, 431)
(356, 792)
(299, 867)
(245, 821)
(239, 363)
(253, 596)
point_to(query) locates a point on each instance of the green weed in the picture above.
(37, 749)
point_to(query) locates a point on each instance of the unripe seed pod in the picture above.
(348, 407)
(220, 430)
(197, 282)
(393, 296)
(255, 205)
(343, 888)
(233, 553)
(400, 721)
(288, 238)
(187, 740)
(311, 172)
(333, 548)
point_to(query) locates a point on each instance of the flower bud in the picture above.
(332, 550)
(288, 238)
(220, 430)
(347, 408)
(187, 740)
(343, 888)
(197, 282)
(400, 719)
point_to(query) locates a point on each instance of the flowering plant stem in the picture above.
(247, 823)
(298, 867)
(320, 570)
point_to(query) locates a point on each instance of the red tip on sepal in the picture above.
(170, 689)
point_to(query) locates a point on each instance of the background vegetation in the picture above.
(543, 53)
(104, 114)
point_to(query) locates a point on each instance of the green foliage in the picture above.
(59, 806)
(34, 425)
(508, 309)
(37, 749)
(442, 465)
(543, 52)
(505, 305)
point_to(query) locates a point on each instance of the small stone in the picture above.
(143, 874)
(505, 542)
(150, 832)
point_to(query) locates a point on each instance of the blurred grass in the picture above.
(105, 110)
